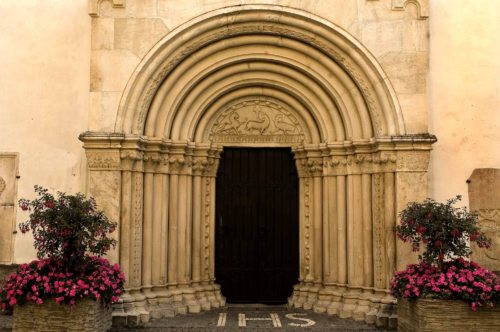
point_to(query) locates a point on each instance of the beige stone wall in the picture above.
(464, 86)
(395, 34)
(44, 80)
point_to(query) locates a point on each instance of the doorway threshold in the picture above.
(256, 307)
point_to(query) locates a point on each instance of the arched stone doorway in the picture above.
(258, 76)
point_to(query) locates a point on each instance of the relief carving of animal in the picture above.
(284, 127)
(230, 125)
(260, 125)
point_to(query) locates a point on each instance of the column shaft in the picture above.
(389, 223)
(342, 229)
(125, 224)
(172, 231)
(147, 230)
(157, 229)
(367, 230)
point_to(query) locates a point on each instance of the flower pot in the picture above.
(86, 315)
(445, 315)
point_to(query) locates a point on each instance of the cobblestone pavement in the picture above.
(240, 318)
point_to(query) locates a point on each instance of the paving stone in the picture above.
(284, 320)
(256, 318)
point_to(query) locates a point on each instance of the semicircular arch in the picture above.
(348, 86)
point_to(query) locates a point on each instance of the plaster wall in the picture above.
(44, 80)
(464, 85)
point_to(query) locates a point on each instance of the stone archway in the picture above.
(258, 76)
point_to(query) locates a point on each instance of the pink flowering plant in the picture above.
(443, 273)
(70, 234)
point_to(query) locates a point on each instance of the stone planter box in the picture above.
(444, 315)
(87, 315)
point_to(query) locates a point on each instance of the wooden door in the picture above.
(257, 230)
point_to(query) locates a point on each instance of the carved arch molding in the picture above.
(258, 76)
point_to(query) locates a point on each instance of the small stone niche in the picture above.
(484, 198)
(8, 192)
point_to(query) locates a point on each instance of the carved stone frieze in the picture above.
(375, 162)
(103, 160)
(2, 185)
(256, 121)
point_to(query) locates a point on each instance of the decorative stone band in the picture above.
(110, 151)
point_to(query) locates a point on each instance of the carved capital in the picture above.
(212, 162)
(200, 163)
(178, 164)
(151, 161)
(129, 158)
(315, 167)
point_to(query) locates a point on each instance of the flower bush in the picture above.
(457, 280)
(443, 229)
(443, 273)
(67, 227)
(70, 234)
(44, 279)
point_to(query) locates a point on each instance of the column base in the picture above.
(376, 308)
(138, 307)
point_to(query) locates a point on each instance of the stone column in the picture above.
(315, 171)
(178, 168)
(300, 291)
(199, 165)
(212, 290)
(309, 162)
(160, 236)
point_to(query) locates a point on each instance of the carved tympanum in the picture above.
(256, 121)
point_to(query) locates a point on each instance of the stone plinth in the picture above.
(445, 315)
(87, 315)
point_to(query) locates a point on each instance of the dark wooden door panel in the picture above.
(257, 257)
